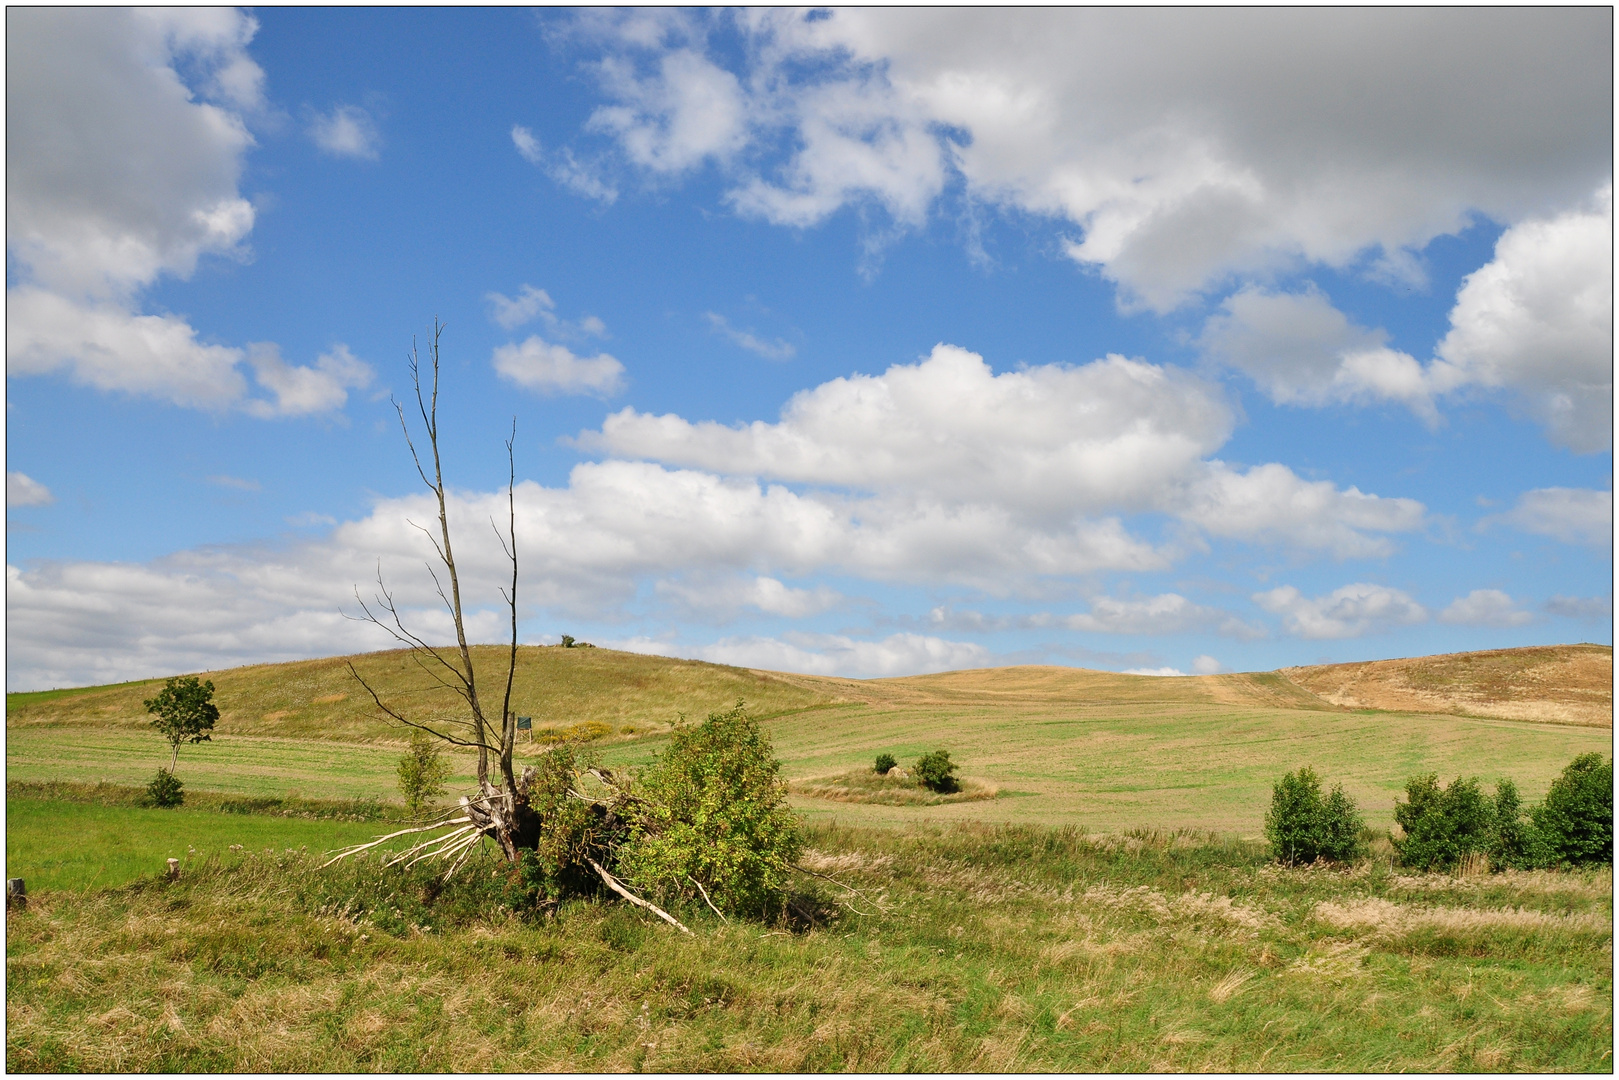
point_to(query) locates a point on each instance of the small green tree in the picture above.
(937, 772)
(884, 763)
(1576, 819)
(712, 811)
(1303, 827)
(422, 772)
(1515, 843)
(184, 711)
(1443, 826)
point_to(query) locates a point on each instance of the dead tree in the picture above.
(500, 810)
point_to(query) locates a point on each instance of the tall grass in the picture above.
(964, 949)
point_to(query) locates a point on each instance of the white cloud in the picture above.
(303, 391)
(1169, 613)
(836, 654)
(727, 595)
(1538, 320)
(529, 304)
(563, 167)
(347, 131)
(1581, 607)
(1206, 665)
(1048, 440)
(746, 339)
(1179, 148)
(106, 346)
(686, 110)
(1485, 607)
(947, 440)
(1350, 611)
(23, 490)
(1572, 515)
(122, 175)
(554, 369)
(1271, 504)
(1158, 672)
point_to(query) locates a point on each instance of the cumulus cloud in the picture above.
(554, 369)
(747, 339)
(303, 391)
(1158, 672)
(1485, 607)
(121, 170)
(24, 490)
(1206, 665)
(1538, 320)
(347, 131)
(1179, 149)
(1351, 611)
(1572, 515)
(1054, 448)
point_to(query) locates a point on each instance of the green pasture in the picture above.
(56, 844)
(1104, 766)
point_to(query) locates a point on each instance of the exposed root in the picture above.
(357, 848)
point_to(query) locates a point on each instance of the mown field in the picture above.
(1063, 746)
(1110, 908)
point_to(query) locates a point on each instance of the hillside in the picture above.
(1565, 684)
(320, 699)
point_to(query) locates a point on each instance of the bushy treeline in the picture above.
(1445, 827)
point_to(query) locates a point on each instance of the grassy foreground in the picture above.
(967, 948)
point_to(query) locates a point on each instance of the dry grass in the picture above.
(984, 949)
(879, 789)
(1565, 684)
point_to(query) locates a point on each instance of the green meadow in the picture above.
(1103, 902)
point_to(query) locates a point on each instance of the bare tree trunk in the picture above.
(501, 809)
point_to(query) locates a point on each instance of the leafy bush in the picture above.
(884, 763)
(584, 731)
(572, 831)
(1303, 827)
(1515, 842)
(165, 790)
(1575, 822)
(1444, 826)
(713, 812)
(936, 772)
(422, 772)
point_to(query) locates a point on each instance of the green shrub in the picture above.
(165, 790)
(936, 772)
(422, 772)
(713, 812)
(1444, 826)
(572, 831)
(1575, 822)
(1515, 843)
(1303, 827)
(885, 762)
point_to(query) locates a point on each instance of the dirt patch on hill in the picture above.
(1563, 684)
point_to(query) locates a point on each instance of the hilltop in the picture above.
(638, 694)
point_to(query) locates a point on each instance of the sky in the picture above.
(866, 343)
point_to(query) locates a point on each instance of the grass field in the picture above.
(114, 845)
(983, 949)
(1061, 745)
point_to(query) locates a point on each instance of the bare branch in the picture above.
(706, 900)
(346, 852)
(613, 883)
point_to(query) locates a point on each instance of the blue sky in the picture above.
(866, 343)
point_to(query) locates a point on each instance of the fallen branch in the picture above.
(706, 900)
(835, 881)
(613, 883)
